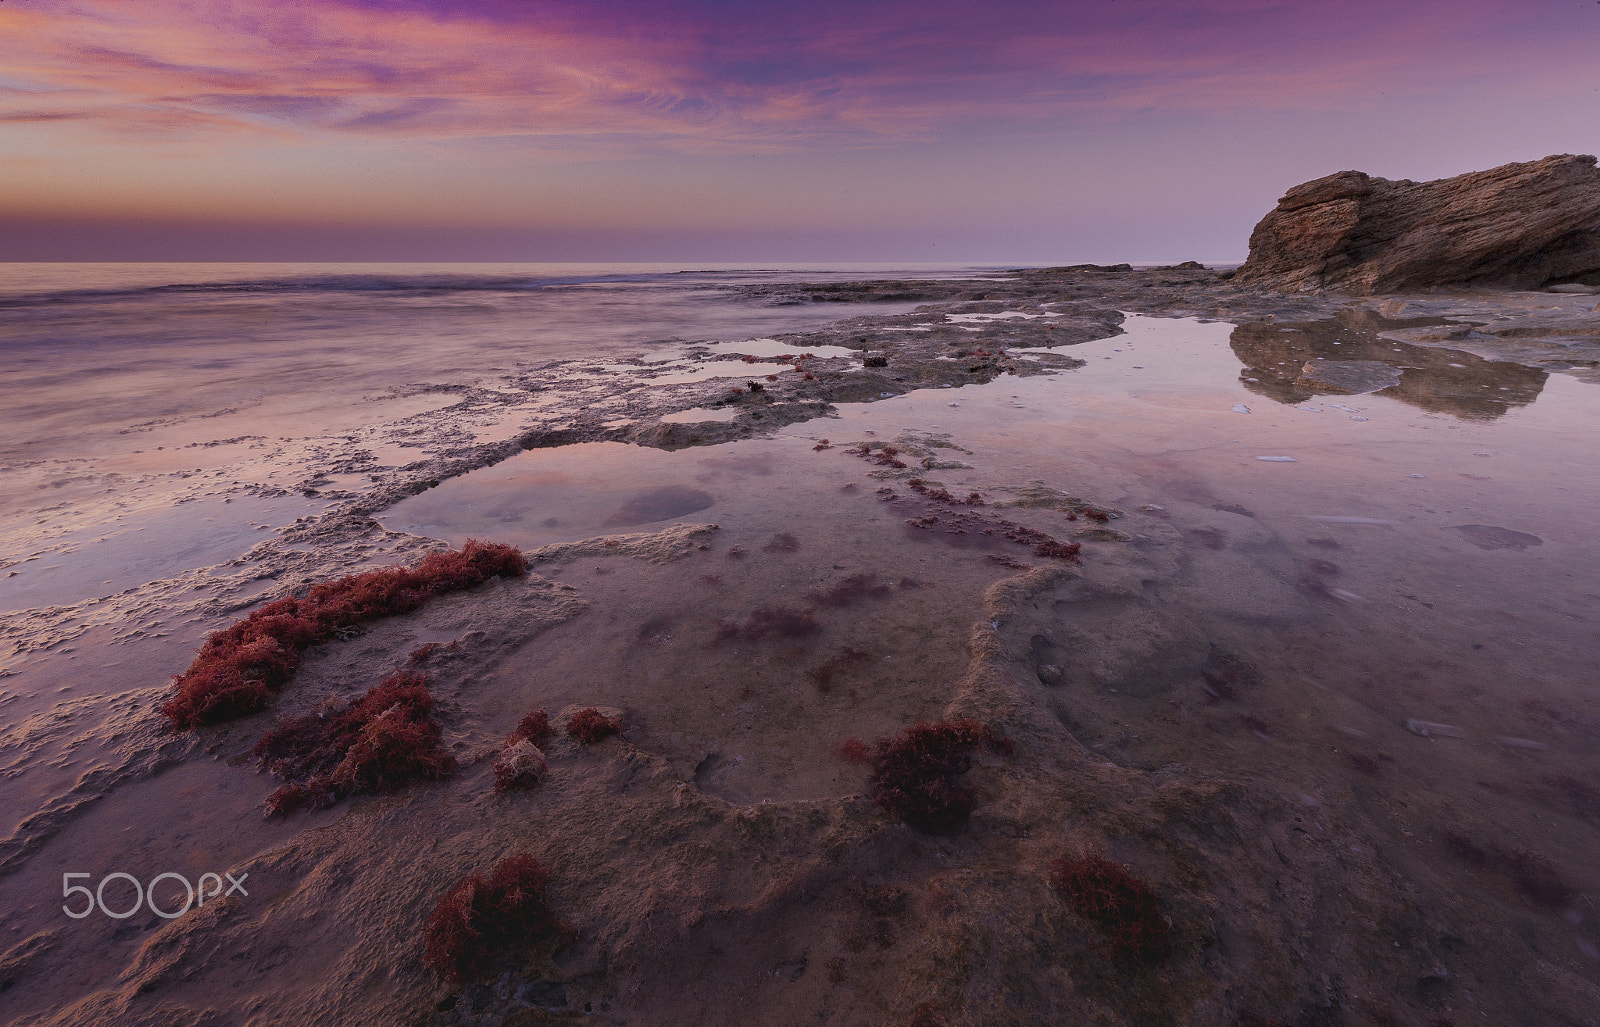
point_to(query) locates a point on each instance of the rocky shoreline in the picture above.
(761, 865)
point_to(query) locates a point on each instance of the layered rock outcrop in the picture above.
(1519, 226)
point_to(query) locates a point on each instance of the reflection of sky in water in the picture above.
(1004, 315)
(1412, 593)
(778, 348)
(148, 545)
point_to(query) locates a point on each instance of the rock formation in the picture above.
(1519, 226)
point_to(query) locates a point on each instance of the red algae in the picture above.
(881, 454)
(386, 739)
(914, 775)
(535, 727)
(481, 917)
(1059, 550)
(1124, 905)
(520, 764)
(853, 750)
(589, 726)
(241, 667)
(423, 653)
(943, 495)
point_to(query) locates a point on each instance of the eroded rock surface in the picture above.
(1519, 226)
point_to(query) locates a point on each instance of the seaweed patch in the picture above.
(240, 667)
(589, 726)
(386, 739)
(914, 775)
(1124, 905)
(481, 917)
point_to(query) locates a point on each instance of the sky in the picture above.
(1006, 131)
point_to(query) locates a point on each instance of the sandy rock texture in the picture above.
(1519, 226)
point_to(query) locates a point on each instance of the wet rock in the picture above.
(1489, 536)
(19, 958)
(1350, 377)
(1519, 226)
(548, 994)
(520, 765)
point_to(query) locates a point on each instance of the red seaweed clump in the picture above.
(385, 739)
(590, 726)
(932, 492)
(480, 917)
(240, 667)
(853, 750)
(1059, 550)
(520, 764)
(423, 653)
(535, 727)
(1124, 905)
(882, 454)
(943, 495)
(914, 775)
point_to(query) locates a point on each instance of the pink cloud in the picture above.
(782, 76)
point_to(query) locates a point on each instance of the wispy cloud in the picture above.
(702, 74)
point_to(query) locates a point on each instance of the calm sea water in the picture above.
(149, 394)
(93, 349)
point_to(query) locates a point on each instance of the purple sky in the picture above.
(712, 130)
